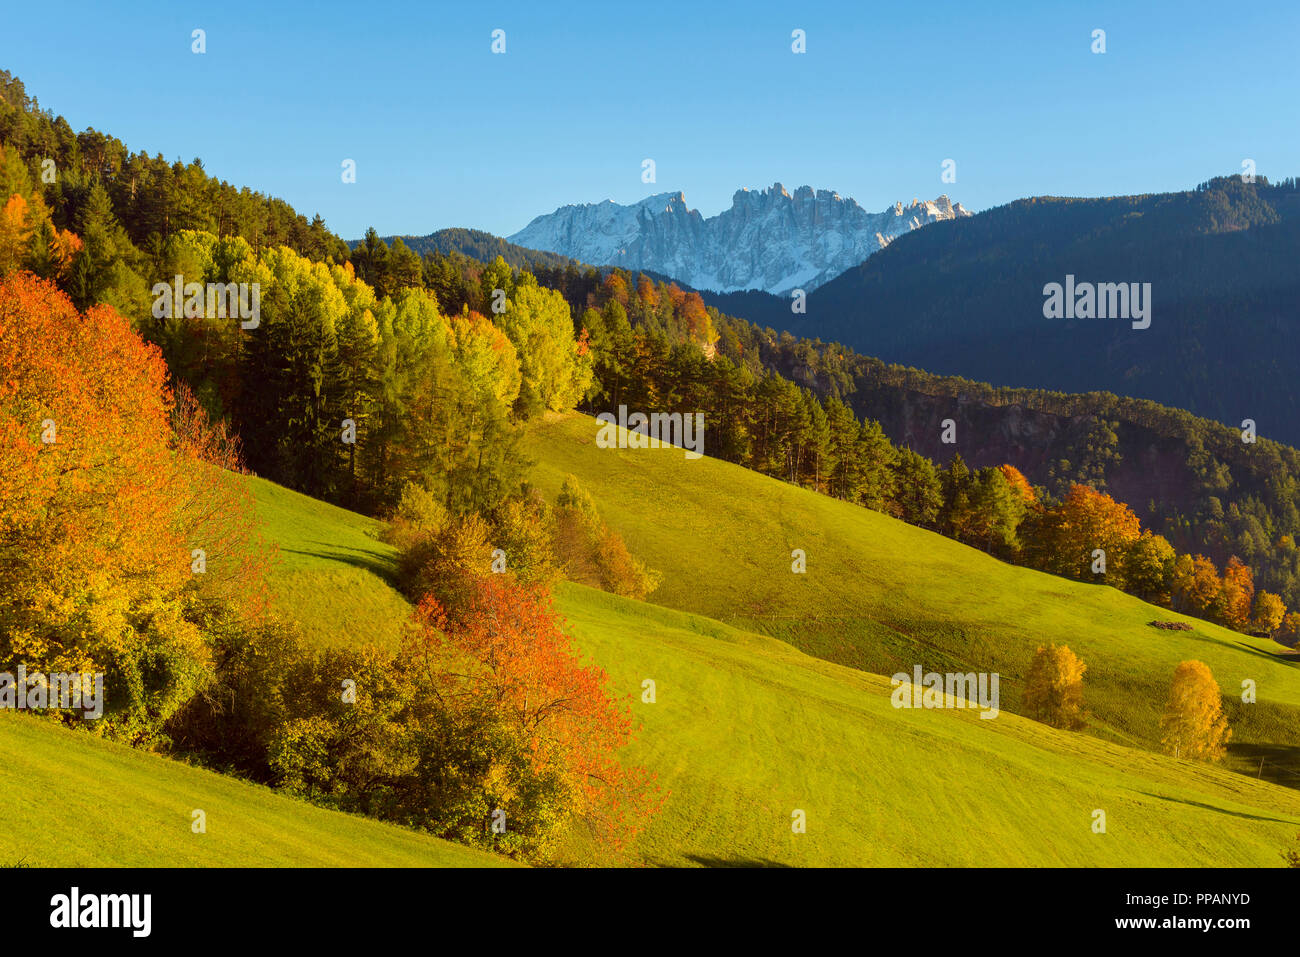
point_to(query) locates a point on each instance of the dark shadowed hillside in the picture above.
(966, 298)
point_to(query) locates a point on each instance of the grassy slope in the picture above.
(329, 551)
(746, 729)
(68, 799)
(73, 800)
(882, 596)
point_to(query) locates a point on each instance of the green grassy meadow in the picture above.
(68, 799)
(746, 729)
(881, 596)
(330, 558)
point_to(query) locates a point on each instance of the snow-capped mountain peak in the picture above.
(769, 239)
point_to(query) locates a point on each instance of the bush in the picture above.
(230, 723)
(591, 553)
(525, 531)
(448, 563)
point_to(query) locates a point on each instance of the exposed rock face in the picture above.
(769, 239)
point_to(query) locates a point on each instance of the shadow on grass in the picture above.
(1283, 654)
(1218, 810)
(1275, 763)
(708, 860)
(373, 562)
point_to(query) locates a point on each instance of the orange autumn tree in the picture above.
(646, 292)
(1016, 479)
(63, 249)
(97, 534)
(505, 657)
(616, 288)
(1084, 523)
(28, 239)
(1196, 585)
(15, 233)
(1236, 595)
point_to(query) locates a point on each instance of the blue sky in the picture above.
(445, 133)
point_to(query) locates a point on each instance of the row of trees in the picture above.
(349, 396)
(149, 197)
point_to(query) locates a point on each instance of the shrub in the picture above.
(591, 553)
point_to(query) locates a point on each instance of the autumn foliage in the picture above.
(1054, 689)
(1194, 725)
(1088, 520)
(1016, 479)
(506, 655)
(100, 506)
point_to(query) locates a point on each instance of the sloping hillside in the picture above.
(328, 553)
(68, 799)
(745, 730)
(883, 596)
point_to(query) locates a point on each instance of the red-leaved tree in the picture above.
(506, 651)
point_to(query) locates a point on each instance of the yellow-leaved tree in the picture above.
(1194, 725)
(1054, 689)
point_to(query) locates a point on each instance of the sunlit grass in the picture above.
(68, 799)
(746, 729)
(884, 596)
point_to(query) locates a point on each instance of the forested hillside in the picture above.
(966, 298)
(319, 397)
(1195, 481)
(476, 244)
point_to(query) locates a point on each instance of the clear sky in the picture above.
(446, 133)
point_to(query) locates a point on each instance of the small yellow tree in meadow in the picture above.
(1054, 690)
(1194, 725)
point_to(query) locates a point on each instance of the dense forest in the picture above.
(476, 244)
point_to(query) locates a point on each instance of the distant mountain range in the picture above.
(769, 239)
